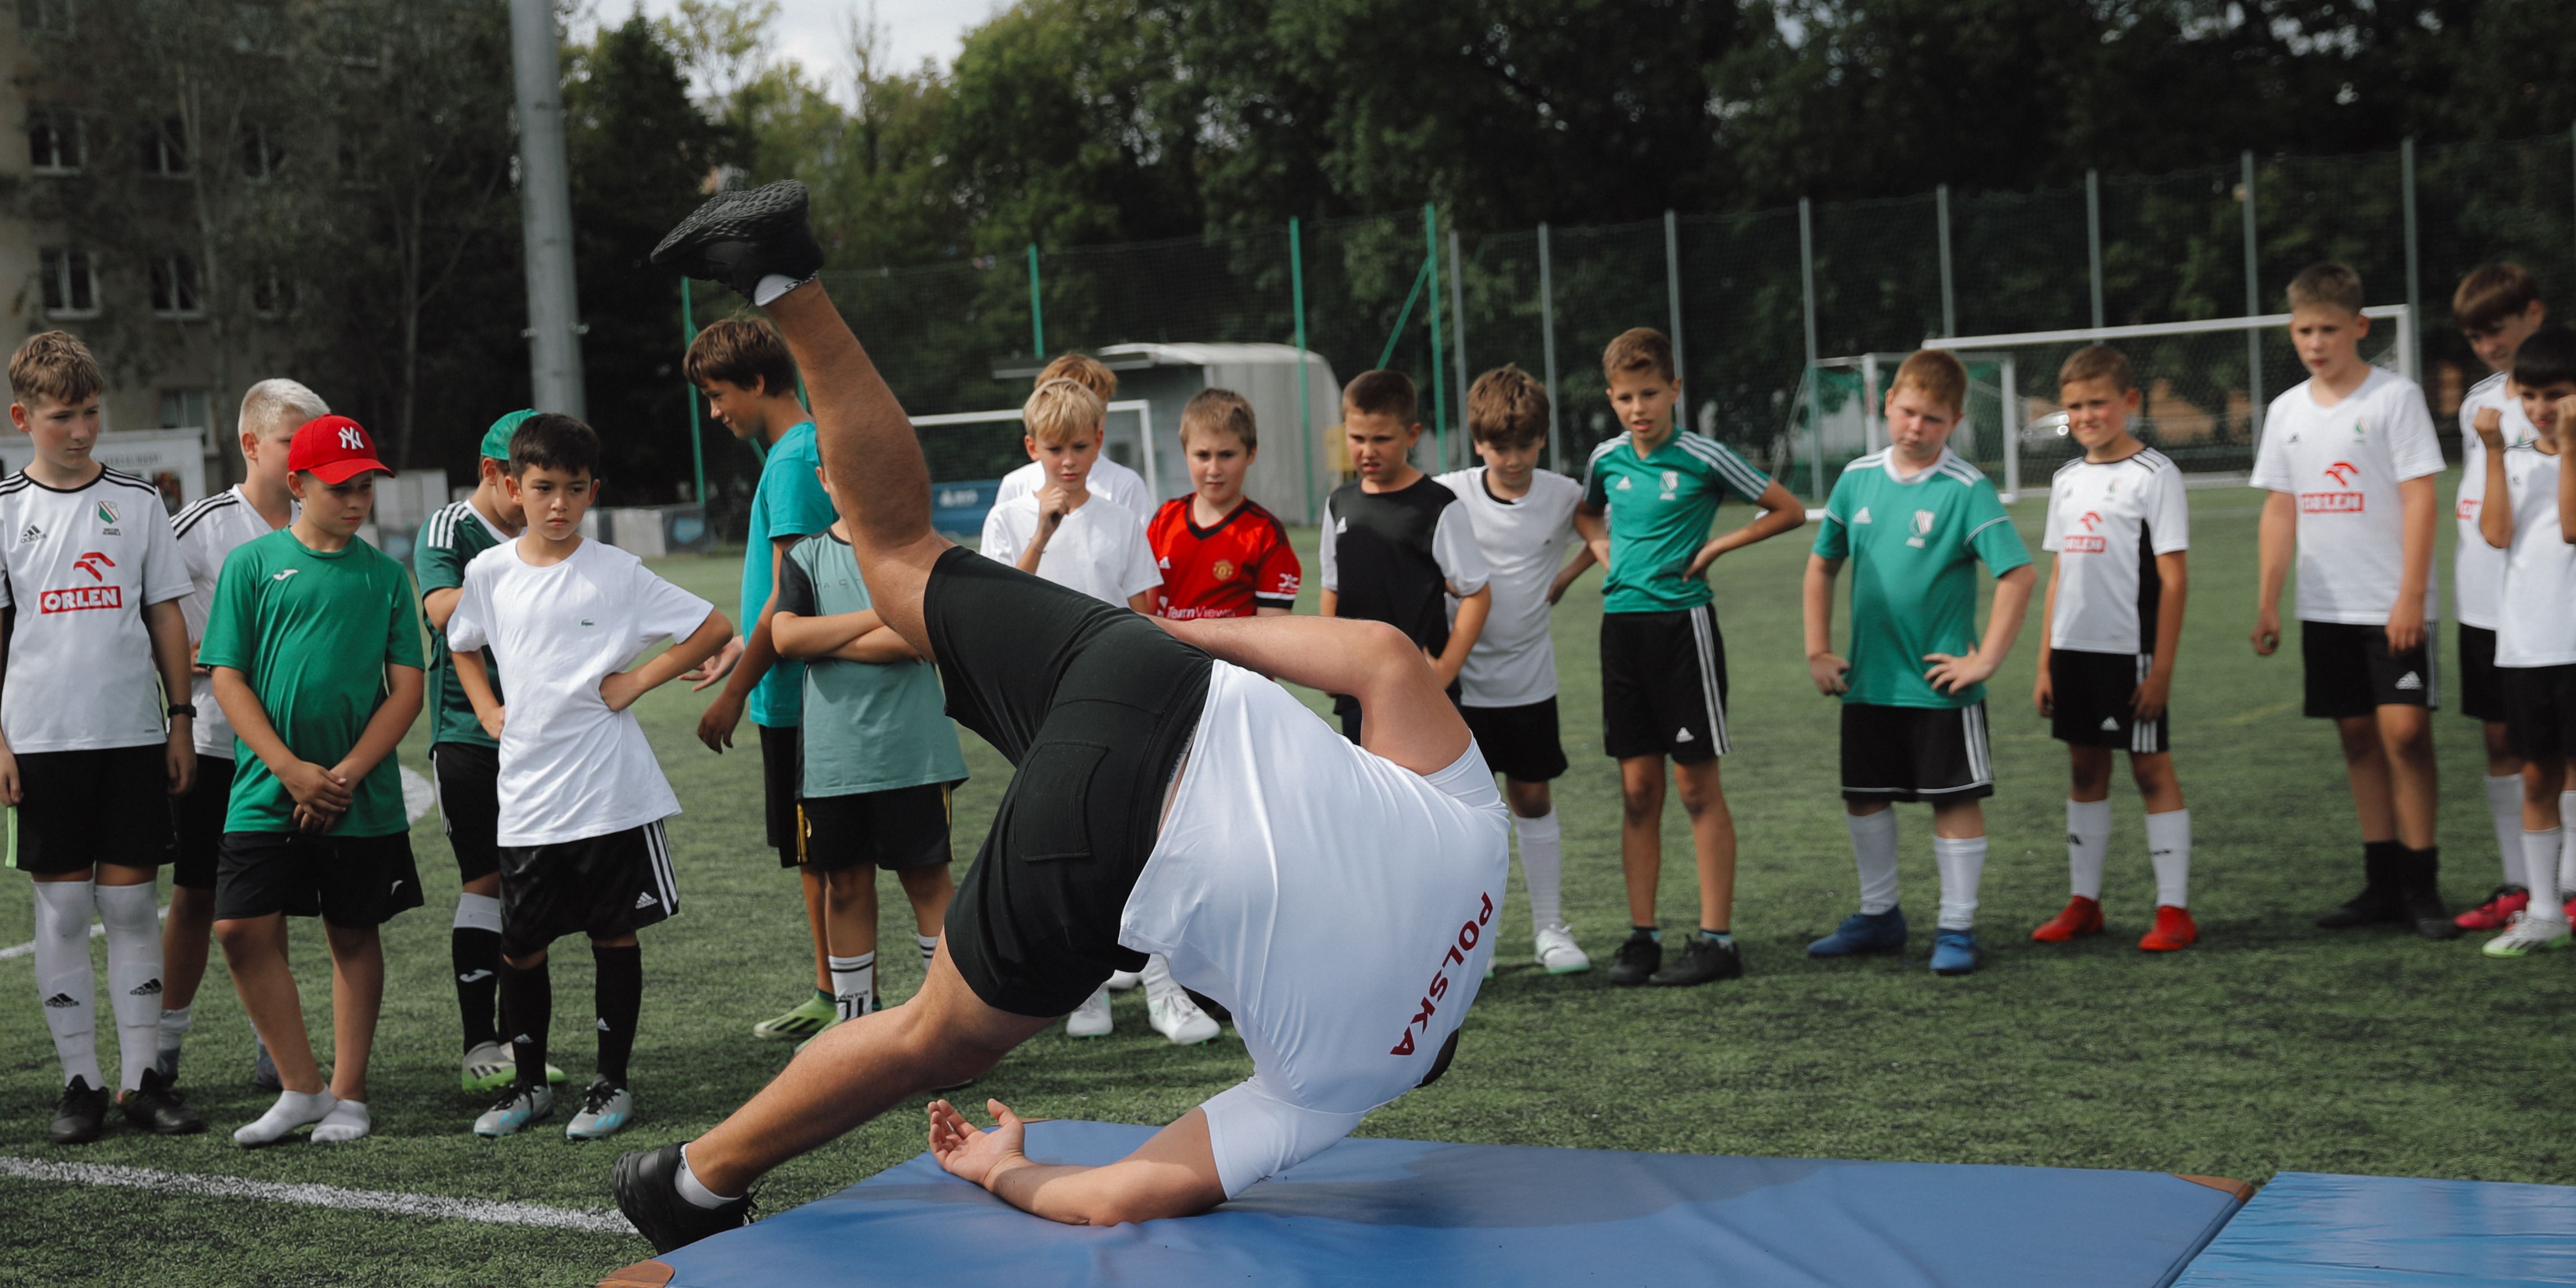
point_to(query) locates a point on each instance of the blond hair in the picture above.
(1937, 373)
(2097, 362)
(1640, 348)
(54, 365)
(2330, 286)
(1507, 407)
(1084, 370)
(1062, 410)
(279, 403)
(1220, 411)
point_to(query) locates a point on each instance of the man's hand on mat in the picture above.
(971, 1154)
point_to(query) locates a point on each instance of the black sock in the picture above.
(1645, 932)
(528, 999)
(620, 1000)
(477, 956)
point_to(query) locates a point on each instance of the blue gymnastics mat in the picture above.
(1478, 1216)
(2320, 1231)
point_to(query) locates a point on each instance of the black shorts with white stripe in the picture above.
(2351, 671)
(1663, 685)
(2092, 702)
(1915, 753)
(601, 886)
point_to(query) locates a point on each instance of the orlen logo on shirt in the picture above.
(2337, 501)
(2085, 543)
(80, 598)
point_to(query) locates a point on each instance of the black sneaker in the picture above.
(739, 238)
(81, 1114)
(157, 1107)
(1703, 961)
(2423, 907)
(648, 1192)
(1638, 960)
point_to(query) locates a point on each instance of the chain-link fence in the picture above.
(1756, 297)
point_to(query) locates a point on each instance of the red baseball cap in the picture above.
(333, 449)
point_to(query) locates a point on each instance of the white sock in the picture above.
(174, 1028)
(1158, 977)
(1542, 867)
(929, 945)
(1873, 840)
(133, 977)
(64, 983)
(854, 984)
(2540, 854)
(2504, 809)
(292, 1110)
(2088, 844)
(2567, 856)
(347, 1120)
(2169, 848)
(1962, 861)
(695, 1190)
(773, 286)
(477, 912)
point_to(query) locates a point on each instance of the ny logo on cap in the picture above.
(351, 440)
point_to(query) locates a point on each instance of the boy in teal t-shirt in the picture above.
(314, 642)
(1913, 520)
(749, 381)
(880, 758)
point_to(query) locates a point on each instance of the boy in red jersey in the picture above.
(1220, 553)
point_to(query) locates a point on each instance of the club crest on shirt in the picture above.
(106, 512)
(1923, 521)
(1672, 484)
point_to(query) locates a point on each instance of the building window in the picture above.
(45, 17)
(54, 139)
(71, 282)
(272, 294)
(189, 409)
(175, 287)
(164, 150)
(260, 154)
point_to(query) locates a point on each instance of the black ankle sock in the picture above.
(528, 1002)
(620, 1000)
(1645, 932)
(477, 958)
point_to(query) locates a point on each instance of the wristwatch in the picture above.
(188, 709)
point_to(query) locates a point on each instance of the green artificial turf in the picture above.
(2271, 1046)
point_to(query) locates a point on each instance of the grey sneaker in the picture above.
(605, 1110)
(515, 1110)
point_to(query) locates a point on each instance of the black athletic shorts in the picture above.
(197, 859)
(1520, 743)
(1663, 685)
(469, 803)
(351, 881)
(600, 886)
(782, 774)
(79, 808)
(2540, 709)
(2090, 701)
(2482, 695)
(2350, 671)
(904, 827)
(1093, 704)
(1915, 753)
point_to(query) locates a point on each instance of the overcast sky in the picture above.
(810, 31)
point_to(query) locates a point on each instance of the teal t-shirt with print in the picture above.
(1912, 546)
(789, 502)
(1660, 507)
(869, 726)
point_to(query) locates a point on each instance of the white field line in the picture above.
(487, 1211)
(95, 930)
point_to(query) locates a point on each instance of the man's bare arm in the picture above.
(1172, 1174)
(1409, 717)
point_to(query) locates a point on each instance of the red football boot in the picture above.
(2081, 917)
(2497, 912)
(2174, 929)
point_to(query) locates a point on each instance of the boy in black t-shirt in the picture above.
(1396, 545)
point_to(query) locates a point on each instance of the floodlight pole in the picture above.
(1941, 215)
(697, 430)
(1673, 298)
(2253, 304)
(2093, 235)
(1458, 324)
(545, 205)
(1305, 411)
(1547, 344)
(1439, 387)
(1037, 315)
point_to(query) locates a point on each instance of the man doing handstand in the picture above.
(1339, 900)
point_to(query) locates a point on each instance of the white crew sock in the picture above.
(348, 1120)
(2504, 809)
(695, 1190)
(1542, 867)
(292, 1110)
(1158, 977)
(477, 912)
(772, 286)
(1873, 841)
(133, 976)
(2169, 848)
(2567, 855)
(2088, 845)
(854, 984)
(64, 983)
(174, 1027)
(2540, 854)
(1962, 861)
(929, 945)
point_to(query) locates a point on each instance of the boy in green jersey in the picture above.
(1648, 498)
(880, 758)
(1913, 520)
(315, 646)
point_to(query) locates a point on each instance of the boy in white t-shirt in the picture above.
(582, 799)
(2498, 307)
(2528, 500)
(2350, 459)
(2119, 528)
(1056, 532)
(1109, 480)
(1523, 518)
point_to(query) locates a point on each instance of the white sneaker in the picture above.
(605, 1110)
(517, 1108)
(1175, 1016)
(1122, 980)
(1091, 1019)
(1557, 951)
(2528, 934)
